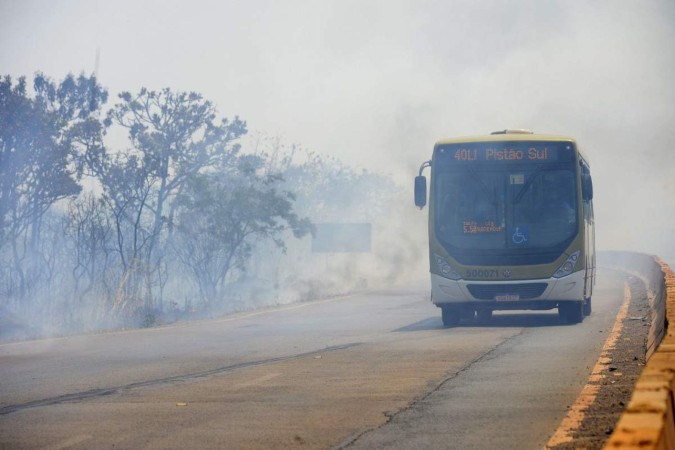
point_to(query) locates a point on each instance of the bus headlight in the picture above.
(568, 266)
(444, 268)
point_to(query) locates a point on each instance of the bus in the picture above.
(510, 225)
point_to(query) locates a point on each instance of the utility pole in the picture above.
(97, 63)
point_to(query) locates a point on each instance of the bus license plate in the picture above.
(507, 297)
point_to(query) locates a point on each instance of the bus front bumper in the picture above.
(507, 293)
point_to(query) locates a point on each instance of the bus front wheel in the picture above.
(587, 307)
(571, 312)
(450, 316)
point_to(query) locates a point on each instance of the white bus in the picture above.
(510, 225)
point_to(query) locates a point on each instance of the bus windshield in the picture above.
(507, 205)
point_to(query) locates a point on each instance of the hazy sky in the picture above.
(376, 83)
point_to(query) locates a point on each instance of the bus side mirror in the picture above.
(420, 191)
(586, 187)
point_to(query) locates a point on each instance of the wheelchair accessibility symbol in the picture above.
(520, 236)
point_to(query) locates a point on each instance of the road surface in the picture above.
(371, 370)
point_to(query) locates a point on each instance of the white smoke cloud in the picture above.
(377, 83)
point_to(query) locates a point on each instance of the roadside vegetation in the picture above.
(190, 217)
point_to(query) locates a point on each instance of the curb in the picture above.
(649, 419)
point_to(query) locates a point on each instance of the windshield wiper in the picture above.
(526, 186)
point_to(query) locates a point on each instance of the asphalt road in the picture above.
(373, 370)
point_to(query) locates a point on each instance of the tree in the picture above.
(89, 229)
(328, 190)
(45, 142)
(174, 136)
(224, 214)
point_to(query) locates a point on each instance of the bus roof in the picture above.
(506, 137)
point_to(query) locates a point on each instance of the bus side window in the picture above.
(588, 211)
(587, 203)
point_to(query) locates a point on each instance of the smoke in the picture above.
(598, 72)
(375, 84)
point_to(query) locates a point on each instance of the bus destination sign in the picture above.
(520, 152)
